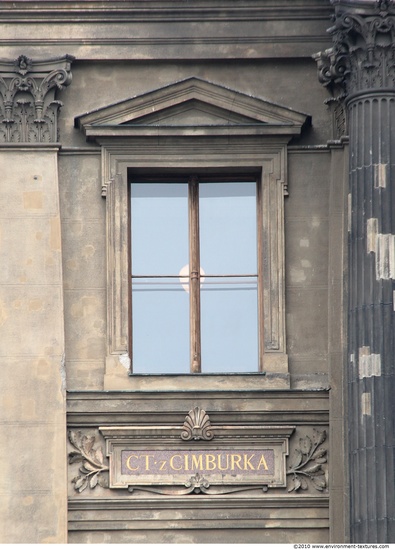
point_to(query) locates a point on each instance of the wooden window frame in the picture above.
(194, 181)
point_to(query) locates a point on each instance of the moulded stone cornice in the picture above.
(362, 57)
(163, 10)
(165, 29)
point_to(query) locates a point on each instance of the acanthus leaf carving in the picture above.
(306, 463)
(28, 106)
(93, 471)
(363, 52)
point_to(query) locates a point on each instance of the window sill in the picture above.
(115, 379)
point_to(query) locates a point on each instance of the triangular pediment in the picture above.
(192, 113)
(192, 103)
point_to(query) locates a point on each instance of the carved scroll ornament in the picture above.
(28, 108)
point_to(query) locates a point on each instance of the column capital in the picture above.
(362, 58)
(28, 108)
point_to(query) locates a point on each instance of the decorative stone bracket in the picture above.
(28, 107)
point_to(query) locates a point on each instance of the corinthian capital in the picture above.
(362, 57)
(28, 107)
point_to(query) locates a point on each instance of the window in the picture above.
(195, 275)
(206, 133)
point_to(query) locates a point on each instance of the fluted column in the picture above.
(360, 70)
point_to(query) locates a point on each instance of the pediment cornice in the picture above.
(191, 107)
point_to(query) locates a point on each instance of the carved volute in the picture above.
(28, 107)
(362, 57)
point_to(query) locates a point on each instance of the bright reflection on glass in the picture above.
(160, 277)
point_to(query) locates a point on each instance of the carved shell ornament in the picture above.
(197, 426)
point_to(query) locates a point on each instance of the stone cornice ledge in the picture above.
(162, 10)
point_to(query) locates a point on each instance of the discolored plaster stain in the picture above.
(297, 275)
(55, 234)
(3, 314)
(369, 363)
(304, 243)
(39, 235)
(383, 246)
(42, 368)
(27, 408)
(371, 234)
(88, 251)
(29, 261)
(17, 304)
(36, 305)
(28, 500)
(76, 227)
(305, 263)
(33, 200)
(315, 222)
(84, 307)
(71, 264)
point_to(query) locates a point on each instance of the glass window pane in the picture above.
(159, 224)
(160, 313)
(228, 228)
(229, 324)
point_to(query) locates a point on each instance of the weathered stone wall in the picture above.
(54, 282)
(33, 502)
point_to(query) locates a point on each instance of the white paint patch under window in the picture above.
(383, 245)
(369, 363)
(124, 359)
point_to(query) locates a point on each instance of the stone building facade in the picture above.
(105, 437)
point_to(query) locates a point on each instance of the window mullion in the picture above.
(194, 274)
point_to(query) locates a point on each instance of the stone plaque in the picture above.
(220, 466)
(196, 457)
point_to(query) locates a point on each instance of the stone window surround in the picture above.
(270, 160)
(230, 132)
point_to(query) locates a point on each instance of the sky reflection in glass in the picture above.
(160, 306)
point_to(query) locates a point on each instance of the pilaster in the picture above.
(33, 506)
(360, 70)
